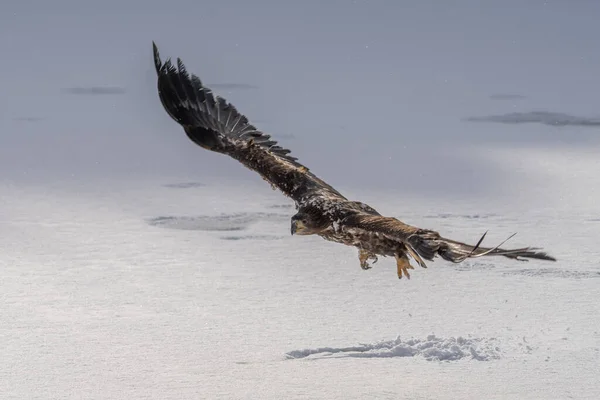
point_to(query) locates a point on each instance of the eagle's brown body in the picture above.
(216, 125)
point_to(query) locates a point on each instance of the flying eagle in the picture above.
(214, 124)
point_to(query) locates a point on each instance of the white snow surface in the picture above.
(156, 290)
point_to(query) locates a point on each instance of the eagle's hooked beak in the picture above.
(298, 227)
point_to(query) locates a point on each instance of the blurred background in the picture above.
(496, 100)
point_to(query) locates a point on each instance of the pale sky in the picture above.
(375, 93)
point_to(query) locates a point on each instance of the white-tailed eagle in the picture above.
(214, 124)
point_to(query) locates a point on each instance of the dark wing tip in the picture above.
(157, 62)
(542, 255)
(176, 84)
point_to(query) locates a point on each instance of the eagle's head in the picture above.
(308, 221)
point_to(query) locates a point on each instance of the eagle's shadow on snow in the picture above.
(432, 348)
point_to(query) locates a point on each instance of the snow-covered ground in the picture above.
(136, 265)
(169, 289)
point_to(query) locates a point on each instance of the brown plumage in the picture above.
(214, 124)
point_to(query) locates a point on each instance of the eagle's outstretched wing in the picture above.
(213, 123)
(426, 244)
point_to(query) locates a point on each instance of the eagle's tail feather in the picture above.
(428, 244)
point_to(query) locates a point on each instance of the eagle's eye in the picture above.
(300, 218)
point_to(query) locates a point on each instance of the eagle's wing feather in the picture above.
(428, 243)
(213, 123)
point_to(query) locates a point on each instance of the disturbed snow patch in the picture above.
(554, 273)
(473, 266)
(252, 237)
(223, 222)
(541, 117)
(507, 96)
(184, 185)
(281, 206)
(432, 348)
(462, 216)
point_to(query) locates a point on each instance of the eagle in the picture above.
(215, 124)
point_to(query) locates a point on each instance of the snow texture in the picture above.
(136, 265)
(99, 303)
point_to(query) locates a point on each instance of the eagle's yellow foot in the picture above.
(403, 265)
(364, 256)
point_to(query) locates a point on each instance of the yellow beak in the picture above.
(298, 227)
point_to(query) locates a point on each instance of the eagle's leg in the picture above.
(364, 256)
(403, 265)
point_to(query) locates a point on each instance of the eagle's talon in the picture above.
(403, 265)
(364, 257)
